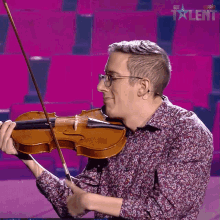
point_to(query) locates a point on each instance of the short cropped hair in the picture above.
(147, 60)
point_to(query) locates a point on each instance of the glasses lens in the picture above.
(108, 80)
(101, 77)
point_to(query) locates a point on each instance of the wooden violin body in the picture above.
(88, 133)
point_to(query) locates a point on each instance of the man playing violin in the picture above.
(164, 168)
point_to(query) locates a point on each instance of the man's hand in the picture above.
(6, 142)
(81, 201)
(78, 202)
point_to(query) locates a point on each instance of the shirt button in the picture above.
(126, 169)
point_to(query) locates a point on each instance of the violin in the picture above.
(88, 133)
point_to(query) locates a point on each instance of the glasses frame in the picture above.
(109, 78)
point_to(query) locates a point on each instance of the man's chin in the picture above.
(109, 111)
(111, 114)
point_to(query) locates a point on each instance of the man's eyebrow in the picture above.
(111, 72)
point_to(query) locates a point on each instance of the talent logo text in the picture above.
(193, 15)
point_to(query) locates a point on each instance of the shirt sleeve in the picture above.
(56, 190)
(182, 179)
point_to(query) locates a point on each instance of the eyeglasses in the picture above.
(109, 78)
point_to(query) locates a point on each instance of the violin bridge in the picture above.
(76, 122)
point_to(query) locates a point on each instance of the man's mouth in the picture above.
(106, 99)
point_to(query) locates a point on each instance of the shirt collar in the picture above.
(160, 117)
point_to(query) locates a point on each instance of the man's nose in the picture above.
(101, 86)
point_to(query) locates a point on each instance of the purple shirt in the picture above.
(161, 173)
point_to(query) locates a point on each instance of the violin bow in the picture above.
(38, 92)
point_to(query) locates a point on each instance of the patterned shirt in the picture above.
(161, 173)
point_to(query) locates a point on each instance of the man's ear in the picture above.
(144, 87)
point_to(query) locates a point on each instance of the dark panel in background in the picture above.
(4, 114)
(165, 32)
(217, 5)
(216, 73)
(144, 5)
(40, 70)
(214, 96)
(4, 24)
(205, 115)
(69, 5)
(84, 25)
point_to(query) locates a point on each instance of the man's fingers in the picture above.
(73, 187)
(10, 128)
(74, 206)
(4, 127)
(0, 133)
(6, 131)
(70, 184)
(10, 147)
(68, 199)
